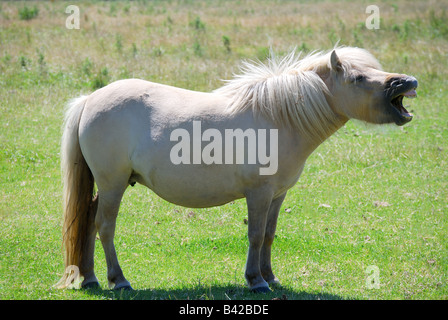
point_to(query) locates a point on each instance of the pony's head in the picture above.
(361, 90)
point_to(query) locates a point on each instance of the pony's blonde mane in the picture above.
(289, 90)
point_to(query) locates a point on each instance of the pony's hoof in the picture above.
(261, 290)
(91, 285)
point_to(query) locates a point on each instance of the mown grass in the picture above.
(368, 196)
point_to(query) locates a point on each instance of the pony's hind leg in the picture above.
(86, 268)
(258, 203)
(108, 206)
(265, 252)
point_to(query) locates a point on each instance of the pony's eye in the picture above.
(359, 78)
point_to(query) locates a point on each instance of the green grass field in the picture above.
(369, 196)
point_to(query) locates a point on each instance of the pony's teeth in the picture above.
(411, 94)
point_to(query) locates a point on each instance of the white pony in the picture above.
(126, 133)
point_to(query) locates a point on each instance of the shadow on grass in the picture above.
(225, 292)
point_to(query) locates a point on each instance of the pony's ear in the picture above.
(335, 62)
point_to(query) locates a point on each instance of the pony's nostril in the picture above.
(411, 81)
(394, 82)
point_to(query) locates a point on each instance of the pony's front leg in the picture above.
(258, 203)
(265, 253)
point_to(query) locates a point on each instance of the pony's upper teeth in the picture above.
(410, 94)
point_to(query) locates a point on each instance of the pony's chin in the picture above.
(392, 116)
(404, 119)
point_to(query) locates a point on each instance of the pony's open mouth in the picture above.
(397, 103)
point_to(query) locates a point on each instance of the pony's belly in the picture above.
(187, 196)
(193, 191)
(194, 201)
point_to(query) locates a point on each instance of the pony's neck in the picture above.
(310, 143)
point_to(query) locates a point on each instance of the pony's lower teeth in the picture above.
(407, 114)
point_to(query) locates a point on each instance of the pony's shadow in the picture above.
(219, 292)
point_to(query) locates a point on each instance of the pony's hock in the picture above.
(120, 135)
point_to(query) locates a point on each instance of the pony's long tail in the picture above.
(79, 213)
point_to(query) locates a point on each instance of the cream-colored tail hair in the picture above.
(78, 190)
